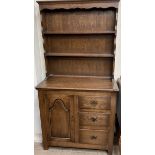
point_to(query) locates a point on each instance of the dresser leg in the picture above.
(110, 152)
(45, 146)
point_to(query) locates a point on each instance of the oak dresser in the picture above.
(77, 99)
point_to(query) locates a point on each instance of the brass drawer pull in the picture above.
(93, 103)
(93, 119)
(93, 137)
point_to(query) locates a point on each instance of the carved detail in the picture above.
(76, 8)
(77, 5)
(58, 101)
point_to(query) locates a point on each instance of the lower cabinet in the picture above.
(79, 119)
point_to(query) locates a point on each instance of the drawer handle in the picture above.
(93, 137)
(93, 119)
(93, 103)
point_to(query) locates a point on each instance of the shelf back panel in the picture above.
(99, 44)
(79, 66)
(78, 21)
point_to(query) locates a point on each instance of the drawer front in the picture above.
(97, 137)
(94, 119)
(95, 102)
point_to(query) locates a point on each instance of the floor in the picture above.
(38, 150)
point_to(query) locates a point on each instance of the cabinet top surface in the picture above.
(77, 83)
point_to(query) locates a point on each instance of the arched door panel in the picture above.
(60, 112)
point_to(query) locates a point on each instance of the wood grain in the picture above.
(74, 4)
(102, 44)
(95, 102)
(38, 150)
(94, 119)
(98, 137)
(72, 21)
(72, 66)
(44, 118)
(76, 83)
(59, 111)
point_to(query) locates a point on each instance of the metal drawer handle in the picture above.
(93, 119)
(93, 137)
(93, 103)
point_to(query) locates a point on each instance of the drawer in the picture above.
(97, 137)
(94, 119)
(95, 102)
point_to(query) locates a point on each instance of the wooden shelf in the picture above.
(77, 83)
(79, 55)
(78, 33)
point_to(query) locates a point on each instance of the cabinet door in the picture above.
(60, 117)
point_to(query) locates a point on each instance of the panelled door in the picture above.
(60, 117)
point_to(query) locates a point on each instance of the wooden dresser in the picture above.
(78, 97)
